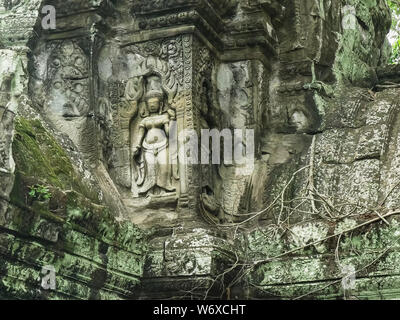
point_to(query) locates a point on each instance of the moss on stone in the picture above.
(362, 45)
(40, 159)
(94, 255)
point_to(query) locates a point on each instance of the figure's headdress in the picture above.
(154, 86)
(154, 94)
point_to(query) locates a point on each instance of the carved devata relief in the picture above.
(143, 82)
(152, 93)
(152, 171)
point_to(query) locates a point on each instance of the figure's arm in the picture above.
(136, 147)
(141, 135)
(171, 117)
(166, 128)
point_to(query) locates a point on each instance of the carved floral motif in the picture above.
(67, 80)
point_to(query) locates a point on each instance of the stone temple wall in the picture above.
(89, 187)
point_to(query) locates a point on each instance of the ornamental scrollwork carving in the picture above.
(68, 81)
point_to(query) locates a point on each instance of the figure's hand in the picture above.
(172, 114)
(135, 150)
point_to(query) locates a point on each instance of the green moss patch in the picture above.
(41, 160)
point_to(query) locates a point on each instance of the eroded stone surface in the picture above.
(87, 109)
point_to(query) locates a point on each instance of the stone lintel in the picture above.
(248, 37)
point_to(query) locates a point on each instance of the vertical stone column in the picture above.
(186, 122)
(189, 252)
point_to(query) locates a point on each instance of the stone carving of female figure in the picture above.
(151, 166)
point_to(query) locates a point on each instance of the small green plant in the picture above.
(39, 192)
